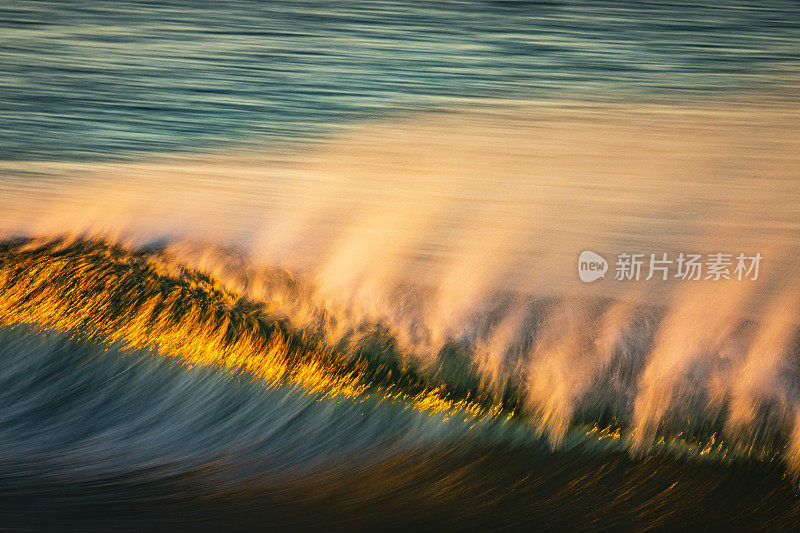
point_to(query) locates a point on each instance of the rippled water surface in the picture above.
(96, 79)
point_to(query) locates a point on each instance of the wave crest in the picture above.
(559, 365)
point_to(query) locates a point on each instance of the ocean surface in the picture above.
(316, 264)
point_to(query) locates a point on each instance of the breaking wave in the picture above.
(578, 364)
(373, 323)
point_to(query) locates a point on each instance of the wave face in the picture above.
(138, 388)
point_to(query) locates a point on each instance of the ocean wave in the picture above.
(333, 334)
(141, 390)
(148, 299)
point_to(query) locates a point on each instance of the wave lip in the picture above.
(135, 299)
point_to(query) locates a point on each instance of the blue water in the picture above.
(94, 79)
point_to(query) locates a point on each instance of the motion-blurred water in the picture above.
(292, 263)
